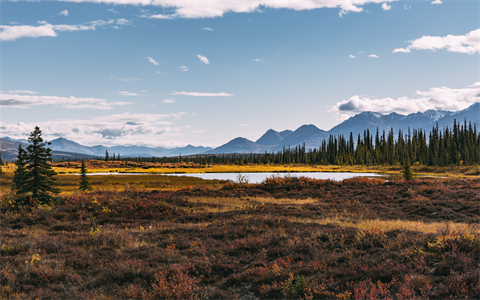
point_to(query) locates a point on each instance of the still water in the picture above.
(259, 177)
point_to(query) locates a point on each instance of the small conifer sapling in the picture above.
(84, 180)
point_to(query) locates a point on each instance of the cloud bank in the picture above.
(468, 43)
(437, 98)
(210, 9)
(117, 129)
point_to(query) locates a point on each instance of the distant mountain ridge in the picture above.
(63, 144)
(273, 140)
(312, 136)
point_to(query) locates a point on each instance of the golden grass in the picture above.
(224, 204)
(378, 225)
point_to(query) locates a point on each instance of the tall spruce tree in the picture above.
(19, 185)
(84, 180)
(40, 176)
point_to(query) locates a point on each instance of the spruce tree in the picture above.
(40, 179)
(407, 171)
(84, 180)
(19, 177)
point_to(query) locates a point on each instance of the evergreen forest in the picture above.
(457, 145)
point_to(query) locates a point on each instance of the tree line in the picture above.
(457, 145)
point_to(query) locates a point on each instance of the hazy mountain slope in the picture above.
(285, 133)
(62, 144)
(471, 113)
(188, 150)
(239, 145)
(309, 134)
(9, 149)
(271, 137)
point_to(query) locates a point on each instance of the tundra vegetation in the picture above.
(168, 237)
(284, 238)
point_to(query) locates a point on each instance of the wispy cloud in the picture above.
(385, 6)
(124, 22)
(257, 59)
(437, 98)
(351, 56)
(207, 28)
(212, 9)
(184, 68)
(171, 100)
(152, 61)
(22, 92)
(127, 93)
(199, 94)
(160, 16)
(374, 56)
(11, 33)
(15, 100)
(63, 13)
(475, 84)
(126, 79)
(468, 43)
(436, 2)
(203, 59)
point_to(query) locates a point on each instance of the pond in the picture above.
(258, 177)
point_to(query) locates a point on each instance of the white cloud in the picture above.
(211, 9)
(118, 129)
(152, 61)
(124, 22)
(199, 94)
(11, 33)
(207, 28)
(203, 59)
(184, 68)
(475, 84)
(468, 43)
(160, 16)
(127, 93)
(63, 13)
(126, 79)
(22, 92)
(171, 100)
(14, 100)
(385, 6)
(407, 7)
(438, 98)
(374, 56)
(257, 59)
(351, 56)
(113, 11)
(436, 2)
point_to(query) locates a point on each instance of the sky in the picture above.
(167, 73)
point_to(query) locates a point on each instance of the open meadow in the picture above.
(183, 238)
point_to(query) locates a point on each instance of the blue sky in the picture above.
(171, 73)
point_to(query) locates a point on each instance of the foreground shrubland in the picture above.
(284, 238)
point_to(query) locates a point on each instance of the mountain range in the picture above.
(271, 140)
